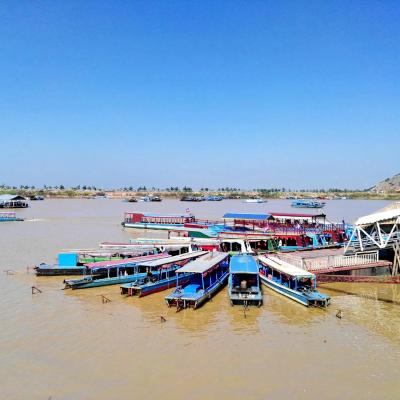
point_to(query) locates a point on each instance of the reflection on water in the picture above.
(69, 345)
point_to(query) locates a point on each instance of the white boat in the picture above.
(254, 201)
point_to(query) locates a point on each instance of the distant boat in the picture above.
(291, 281)
(150, 198)
(308, 203)
(207, 275)
(244, 282)
(9, 216)
(192, 198)
(214, 198)
(259, 200)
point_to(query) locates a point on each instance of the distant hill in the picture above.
(388, 185)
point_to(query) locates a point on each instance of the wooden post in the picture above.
(396, 259)
(105, 299)
(35, 290)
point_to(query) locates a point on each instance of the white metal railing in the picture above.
(316, 264)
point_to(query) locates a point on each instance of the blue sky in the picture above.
(203, 93)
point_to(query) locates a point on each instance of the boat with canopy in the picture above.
(207, 275)
(291, 281)
(162, 275)
(244, 282)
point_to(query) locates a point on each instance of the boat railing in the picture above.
(331, 262)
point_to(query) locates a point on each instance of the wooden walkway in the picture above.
(329, 270)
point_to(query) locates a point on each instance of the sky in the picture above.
(249, 94)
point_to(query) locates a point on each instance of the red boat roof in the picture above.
(275, 214)
(100, 264)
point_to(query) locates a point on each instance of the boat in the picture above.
(151, 198)
(291, 281)
(258, 200)
(304, 203)
(104, 273)
(74, 262)
(165, 277)
(244, 282)
(124, 271)
(9, 216)
(214, 198)
(192, 198)
(207, 275)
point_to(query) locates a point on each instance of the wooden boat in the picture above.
(207, 275)
(105, 273)
(258, 200)
(304, 203)
(119, 272)
(9, 216)
(192, 198)
(291, 281)
(244, 282)
(164, 278)
(151, 198)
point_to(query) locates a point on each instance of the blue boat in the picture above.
(244, 282)
(207, 275)
(164, 278)
(291, 281)
(104, 273)
(304, 203)
(9, 216)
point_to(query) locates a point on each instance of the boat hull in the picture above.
(59, 271)
(147, 289)
(84, 284)
(187, 301)
(287, 292)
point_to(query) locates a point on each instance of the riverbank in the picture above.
(228, 194)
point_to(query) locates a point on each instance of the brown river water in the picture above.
(69, 345)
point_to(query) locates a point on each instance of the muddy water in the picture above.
(69, 345)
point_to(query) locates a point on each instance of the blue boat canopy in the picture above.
(251, 217)
(243, 264)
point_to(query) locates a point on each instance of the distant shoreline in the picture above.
(268, 195)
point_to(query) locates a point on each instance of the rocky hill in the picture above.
(388, 185)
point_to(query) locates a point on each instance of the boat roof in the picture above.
(259, 217)
(133, 260)
(185, 215)
(172, 259)
(285, 267)
(298, 215)
(204, 263)
(379, 217)
(243, 264)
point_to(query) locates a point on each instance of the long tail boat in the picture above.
(207, 275)
(164, 278)
(244, 282)
(291, 281)
(9, 216)
(123, 271)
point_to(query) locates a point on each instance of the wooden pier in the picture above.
(332, 266)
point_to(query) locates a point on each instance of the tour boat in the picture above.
(104, 273)
(291, 281)
(124, 271)
(244, 282)
(207, 275)
(9, 216)
(308, 204)
(73, 262)
(165, 277)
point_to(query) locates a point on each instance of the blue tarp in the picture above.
(243, 264)
(259, 217)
